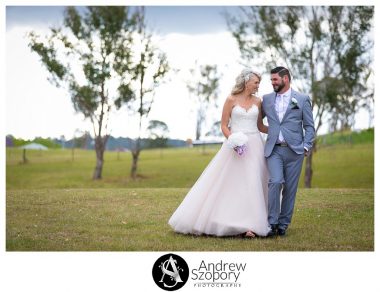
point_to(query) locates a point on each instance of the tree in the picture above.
(322, 46)
(215, 130)
(204, 89)
(158, 132)
(353, 55)
(90, 57)
(149, 68)
(82, 140)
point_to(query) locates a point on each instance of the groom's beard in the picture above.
(279, 87)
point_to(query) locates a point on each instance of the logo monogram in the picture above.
(174, 275)
(170, 272)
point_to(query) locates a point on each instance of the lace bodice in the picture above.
(243, 120)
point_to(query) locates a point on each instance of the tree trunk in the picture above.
(198, 130)
(24, 159)
(100, 144)
(308, 170)
(135, 159)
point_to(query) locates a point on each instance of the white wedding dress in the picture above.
(230, 197)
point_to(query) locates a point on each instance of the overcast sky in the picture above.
(34, 107)
(165, 19)
(37, 108)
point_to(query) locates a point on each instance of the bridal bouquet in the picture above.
(237, 141)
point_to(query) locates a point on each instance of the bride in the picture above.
(230, 197)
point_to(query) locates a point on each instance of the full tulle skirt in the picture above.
(230, 197)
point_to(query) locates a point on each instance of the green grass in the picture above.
(343, 166)
(347, 137)
(339, 166)
(54, 205)
(178, 167)
(136, 220)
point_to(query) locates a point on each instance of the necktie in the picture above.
(281, 112)
(280, 106)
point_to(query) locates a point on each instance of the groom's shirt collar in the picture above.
(286, 93)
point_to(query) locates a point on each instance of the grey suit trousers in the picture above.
(284, 167)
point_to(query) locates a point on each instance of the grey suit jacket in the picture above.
(297, 125)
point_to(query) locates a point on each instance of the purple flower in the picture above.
(240, 149)
(237, 141)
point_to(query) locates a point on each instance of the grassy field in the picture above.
(52, 204)
(136, 220)
(342, 166)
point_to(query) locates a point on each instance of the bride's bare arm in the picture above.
(260, 125)
(226, 114)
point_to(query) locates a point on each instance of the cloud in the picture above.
(37, 108)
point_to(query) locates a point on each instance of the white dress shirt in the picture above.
(281, 105)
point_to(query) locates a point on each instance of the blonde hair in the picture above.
(242, 80)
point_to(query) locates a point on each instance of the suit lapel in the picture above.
(272, 105)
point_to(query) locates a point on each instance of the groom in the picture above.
(290, 138)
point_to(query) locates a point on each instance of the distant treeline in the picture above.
(87, 142)
(114, 144)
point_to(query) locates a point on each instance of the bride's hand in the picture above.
(262, 128)
(260, 125)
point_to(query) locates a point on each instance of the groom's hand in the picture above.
(305, 152)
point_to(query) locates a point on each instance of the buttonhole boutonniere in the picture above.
(294, 103)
